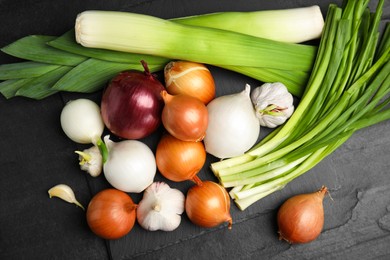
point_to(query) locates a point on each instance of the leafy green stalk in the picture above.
(348, 90)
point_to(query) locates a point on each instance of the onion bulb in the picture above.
(301, 217)
(130, 165)
(208, 205)
(81, 121)
(191, 78)
(233, 127)
(131, 104)
(111, 214)
(179, 160)
(184, 117)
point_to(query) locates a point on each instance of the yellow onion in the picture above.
(179, 160)
(111, 214)
(184, 117)
(191, 78)
(208, 205)
(301, 217)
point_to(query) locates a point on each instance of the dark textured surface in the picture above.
(35, 155)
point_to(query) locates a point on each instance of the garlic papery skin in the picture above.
(160, 208)
(91, 161)
(65, 193)
(81, 121)
(273, 104)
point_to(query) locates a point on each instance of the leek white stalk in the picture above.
(130, 32)
(287, 25)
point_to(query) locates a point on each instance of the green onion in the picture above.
(348, 90)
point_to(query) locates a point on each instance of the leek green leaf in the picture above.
(34, 48)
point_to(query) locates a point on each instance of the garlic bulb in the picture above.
(160, 208)
(65, 193)
(273, 104)
(91, 161)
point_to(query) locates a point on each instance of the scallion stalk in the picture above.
(347, 91)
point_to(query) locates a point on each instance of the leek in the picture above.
(138, 33)
(44, 54)
(294, 80)
(348, 90)
(286, 25)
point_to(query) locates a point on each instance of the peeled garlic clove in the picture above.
(64, 192)
(273, 104)
(91, 161)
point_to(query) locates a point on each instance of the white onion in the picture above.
(130, 165)
(233, 126)
(81, 121)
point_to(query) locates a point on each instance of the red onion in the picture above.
(131, 105)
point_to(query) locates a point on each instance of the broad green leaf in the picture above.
(25, 69)
(94, 74)
(35, 48)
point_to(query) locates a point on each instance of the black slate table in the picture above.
(36, 155)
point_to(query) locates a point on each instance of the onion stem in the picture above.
(103, 149)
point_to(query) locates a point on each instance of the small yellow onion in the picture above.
(301, 217)
(191, 78)
(208, 205)
(179, 160)
(185, 117)
(111, 214)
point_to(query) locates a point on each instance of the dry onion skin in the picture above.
(179, 160)
(185, 117)
(191, 78)
(111, 214)
(208, 205)
(301, 217)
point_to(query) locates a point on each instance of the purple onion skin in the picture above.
(131, 105)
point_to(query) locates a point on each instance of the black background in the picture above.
(35, 155)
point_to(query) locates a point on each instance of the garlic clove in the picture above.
(65, 193)
(91, 161)
(160, 208)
